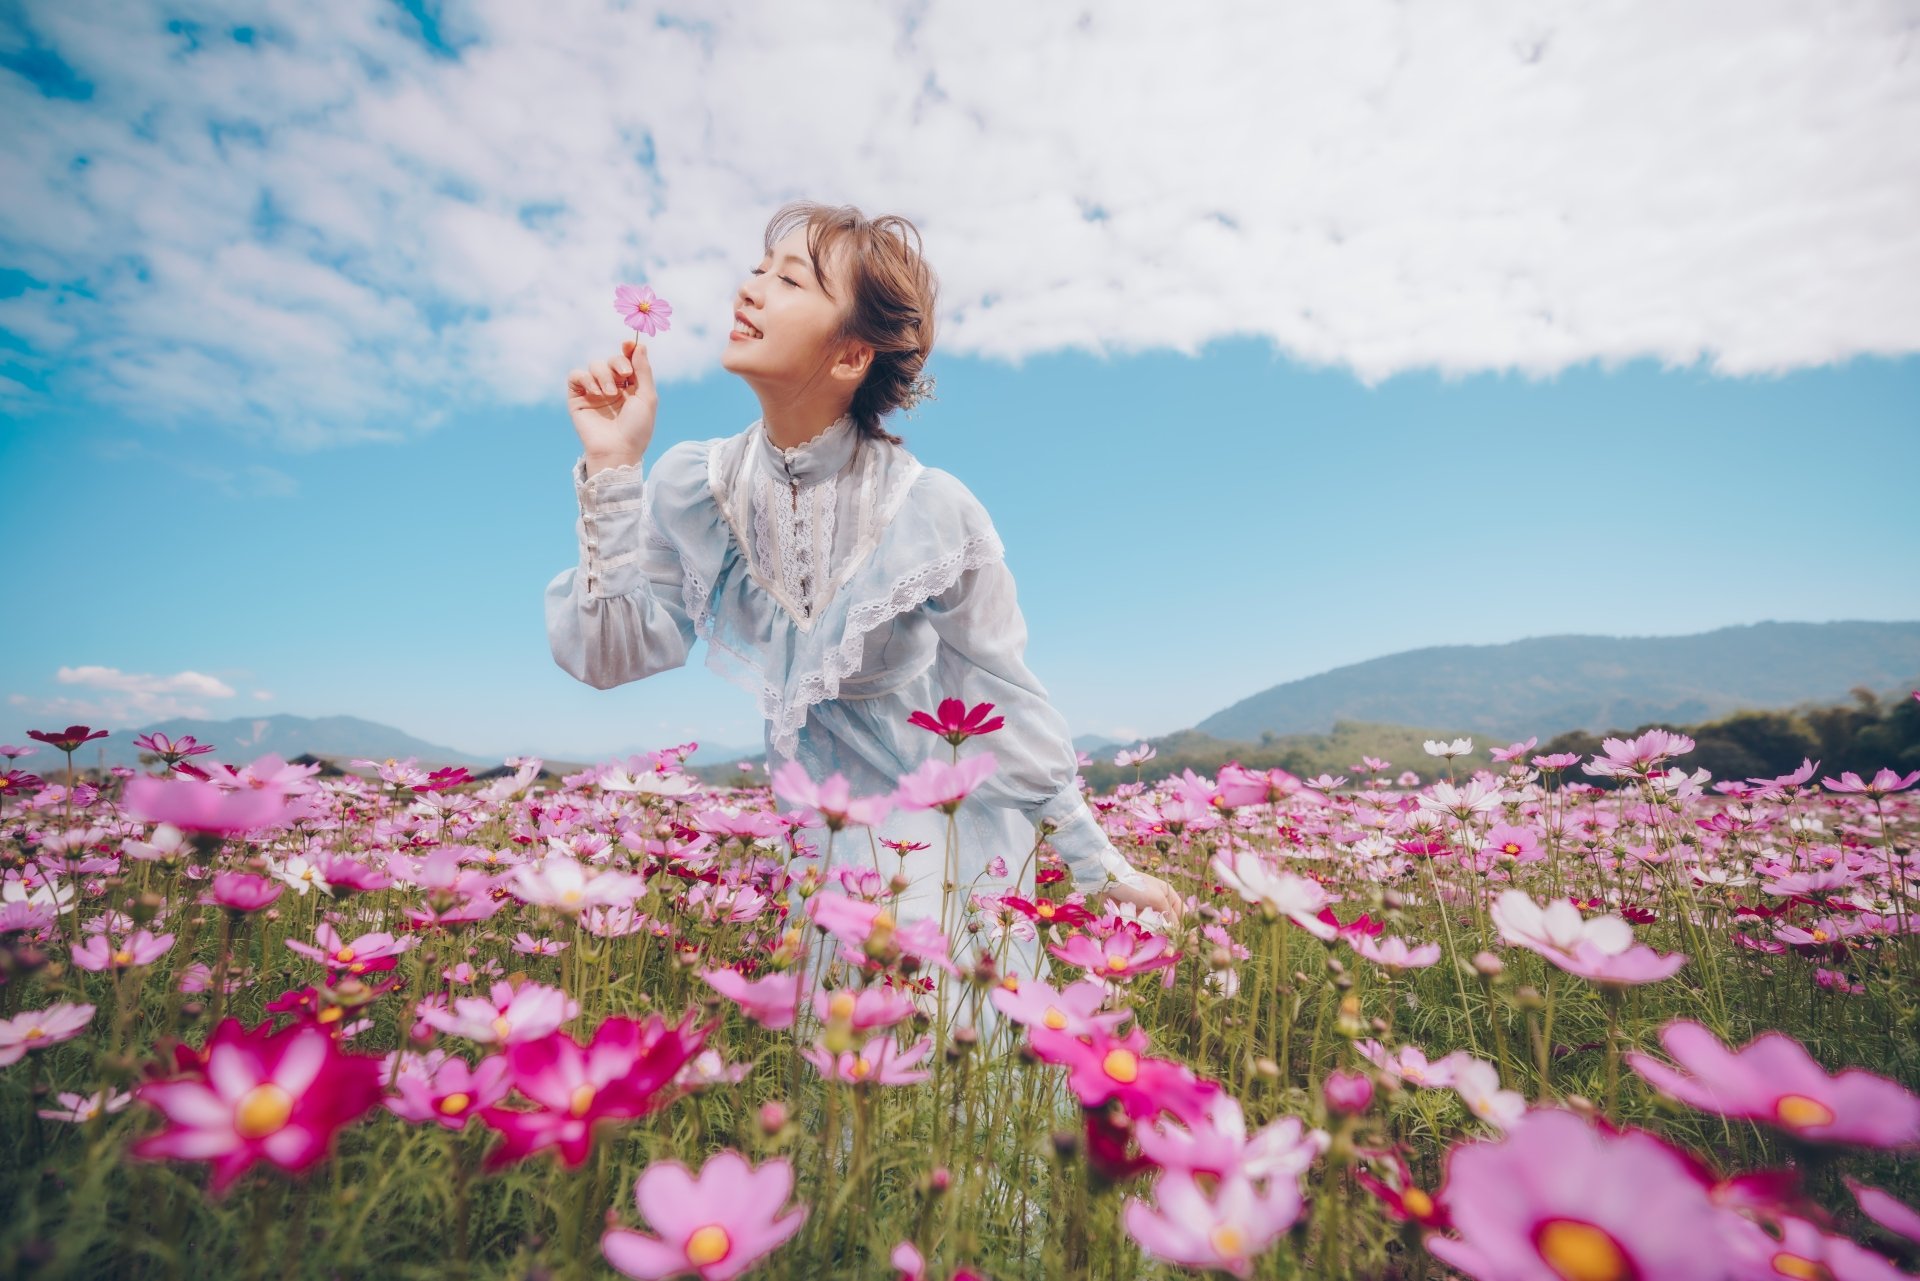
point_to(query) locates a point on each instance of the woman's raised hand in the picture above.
(613, 403)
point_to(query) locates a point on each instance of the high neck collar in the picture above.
(815, 460)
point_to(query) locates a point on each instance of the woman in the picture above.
(835, 577)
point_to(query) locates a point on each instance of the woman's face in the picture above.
(781, 297)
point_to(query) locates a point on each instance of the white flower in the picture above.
(1294, 897)
(563, 883)
(1478, 1084)
(1557, 927)
(659, 784)
(1442, 748)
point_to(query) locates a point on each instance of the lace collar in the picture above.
(813, 461)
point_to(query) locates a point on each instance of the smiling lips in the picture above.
(744, 327)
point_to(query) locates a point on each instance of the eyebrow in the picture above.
(793, 257)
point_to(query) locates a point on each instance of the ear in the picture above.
(855, 360)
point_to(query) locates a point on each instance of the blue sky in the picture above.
(280, 423)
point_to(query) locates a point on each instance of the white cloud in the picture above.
(263, 695)
(128, 698)
(334, 234)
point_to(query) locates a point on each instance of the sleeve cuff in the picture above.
(1082, 843)
(612, 511)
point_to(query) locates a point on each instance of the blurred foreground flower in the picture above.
(715, 1224)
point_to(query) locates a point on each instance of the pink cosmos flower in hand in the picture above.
(1556, 1197)
(715, 1225)
(278, 1096)
(770, 1001)
(37, 1029)
(956, 722)
(833, 798)
(644, 311)
(937, 785)
(1774, 1080)
(1223, 1231)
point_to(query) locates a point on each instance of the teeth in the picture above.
(742, 327)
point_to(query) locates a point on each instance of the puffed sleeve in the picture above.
(981, 657)
(618, 615)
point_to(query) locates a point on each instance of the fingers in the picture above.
(580, 383)
(603, 380)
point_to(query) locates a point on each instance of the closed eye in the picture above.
(789, 279)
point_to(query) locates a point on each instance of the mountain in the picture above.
(1551, 684)
(245, 738)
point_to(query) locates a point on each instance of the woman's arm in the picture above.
(618, 615)
(981, 658)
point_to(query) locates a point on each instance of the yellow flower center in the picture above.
(344, 955)
(840, 1006)
(1116, 963)
(1417, 1203)
(1044, 910)
(884, 920)
(263, 1110)
(1122, 1065)
(1226, 1241)
(861, 1067)
(501, 1027)
(1798, 1112)
(1576, 1251)
(1054, 1019)
(332, 1014)
(454, 1104)
(1011, 982)
(570, 897)
(1819, 936)
(1799, 1268)
(1511, 848)
(708, 1245)
(582, 1099)
(123, 957)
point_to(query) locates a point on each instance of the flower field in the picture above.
(1579, 1019)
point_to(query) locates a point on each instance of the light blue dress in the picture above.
(844, 585)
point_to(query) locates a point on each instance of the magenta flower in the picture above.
(194, 806)
(1102, 1067)
(715, 1225)
(1555, 1197)
(771, 1001)
(278, 1096)
(1774, 1080)
(1223, 1231)
(1884, 783)
(1121, 955)
(69, 739)
(37, 1029)
(937, 785)
(141, 948)
(1636, 757)
(956, 722)
(172, 750)
(865, 1008)
(880, 1062)
(507, 1015)
(644, 311)
(837, 806)
(624, 1072)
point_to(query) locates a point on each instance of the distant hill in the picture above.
(1552, 684)
(243, 739)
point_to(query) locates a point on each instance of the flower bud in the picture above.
(1487, 965)
(773, 1118)
(1347, 1093)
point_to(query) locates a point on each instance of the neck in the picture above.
(790, 425)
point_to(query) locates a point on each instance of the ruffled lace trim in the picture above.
(785, 715)
(607, 475)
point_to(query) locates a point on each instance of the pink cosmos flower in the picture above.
(1074, 1009)
(37, 1029)
(1251, 875)
(279, 1096)
(715, 1225)
(1520, 844)
(956, 722)
(1774, 1080)
(865, 1008)
(141, 948)
(1636, 757)
(1218, 1144)
(770, 1001)
(78, 1109)
(446, 1091)
(242, 891)
(1121, 955)
(833, 798)
(879, 1062)
(566, 884)
(507, 1016)
(1556, 1197)
(1222, 1231)
(1102, 1067)
(938, 785)
(644, 311)
(1393, 953)
(365, 954)
(1884, 783)
(194, 806)
(1514, 751)
(1477, 1082)
(1599, 949)
(1409, 1064)
(622, 1073)
(1888, 1211)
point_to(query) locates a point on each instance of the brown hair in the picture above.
(890, 304)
